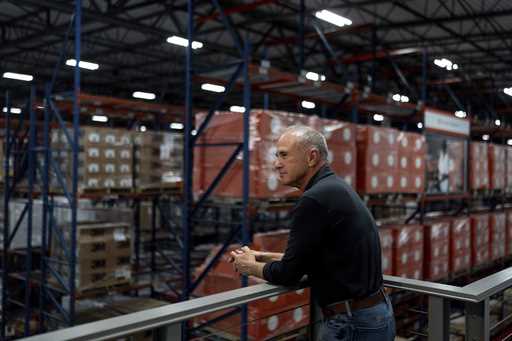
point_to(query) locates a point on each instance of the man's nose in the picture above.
(277, 164)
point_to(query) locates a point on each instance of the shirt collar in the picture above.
(323, 172)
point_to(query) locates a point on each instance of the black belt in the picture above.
(351, 305)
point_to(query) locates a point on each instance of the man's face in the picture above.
(291, 161)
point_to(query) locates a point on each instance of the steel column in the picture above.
(478, 321)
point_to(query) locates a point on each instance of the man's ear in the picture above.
(313, 157)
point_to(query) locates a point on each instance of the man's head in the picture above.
(301, 152)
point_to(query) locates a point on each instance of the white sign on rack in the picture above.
(438, 120)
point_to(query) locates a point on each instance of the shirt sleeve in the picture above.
(308, 218)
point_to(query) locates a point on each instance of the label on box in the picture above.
(110, 138)
(110, 168)
(110, 153)
(93, 137)
(125, 154)
(93, 152)
(348, 158)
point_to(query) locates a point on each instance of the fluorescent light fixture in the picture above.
(175, 40)
(99, 118)
(176, 125)
(508, 91)
(237, 108)
(212, 87)
(18, 76)
(333, 18)
(509, 142)
(308, 104)
(313, 76)
(142, 128)
(400, 98)
(460, 114)
(497, 122)
(446, 64)
(378, 117)
(420, 125)
(144, 95)
(194, 132)
(83, 64)
(13, 110)
(485, 137)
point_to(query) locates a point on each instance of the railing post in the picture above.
(315, 320)
(438, 319)
(170, 332)
(477, 321)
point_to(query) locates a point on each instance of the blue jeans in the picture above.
(376, 323)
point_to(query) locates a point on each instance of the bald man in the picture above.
(333, 240)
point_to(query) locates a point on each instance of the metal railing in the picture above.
(167, 319)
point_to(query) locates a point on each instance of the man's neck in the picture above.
(310, 175)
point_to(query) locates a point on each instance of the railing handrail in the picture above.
(182, 311)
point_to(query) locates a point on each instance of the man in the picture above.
(333, 240)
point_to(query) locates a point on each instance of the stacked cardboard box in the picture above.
(497, 166)
(460, 244)
(436, 252)
(102, 255)
(158, 158)
(407, 250)
(479, 239)
(411, 162)
(386, 244)
(478, 166)
(497, 235)
(377, 159)
(508, 246)
(508, 167)
(105, 158)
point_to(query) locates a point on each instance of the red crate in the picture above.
(436, 269)
(479, 239)
(478, 166)
(497, 166)
(407, 250)
(497, 235)
(274, 241)
(460, 262)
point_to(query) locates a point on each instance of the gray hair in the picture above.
(309, 138)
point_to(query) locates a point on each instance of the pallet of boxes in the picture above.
(103, 252)
(105, 159)
(158, 160)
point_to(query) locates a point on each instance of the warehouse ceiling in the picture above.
(127, 38)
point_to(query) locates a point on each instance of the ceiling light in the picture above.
(13, 110)
(378, 117)
(460, 114)
(237, 108)
(99, 118)
(194, 132)
(497, 122)
(485, 137)
(18, 76)
(404, 99)
(455, 66)
(175, 40)
(333, 18)
(315, 76)
(508, 91)
(144, 95)
(308, 105)
(446, 64)
(142, 128)
(420, 125)
(176, 125)
(396, 97)
(509, 142)
(83, 64)
(212, 87)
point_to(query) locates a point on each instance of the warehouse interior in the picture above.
(128, 176)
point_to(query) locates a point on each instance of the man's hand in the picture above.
(244, 261)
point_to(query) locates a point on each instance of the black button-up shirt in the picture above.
(333, 240)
